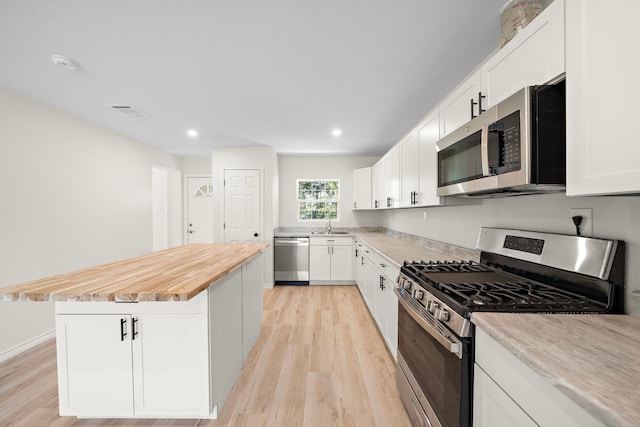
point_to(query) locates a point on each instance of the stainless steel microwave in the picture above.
(516, 147)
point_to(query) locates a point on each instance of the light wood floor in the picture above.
(319, 361)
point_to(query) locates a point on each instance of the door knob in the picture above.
(255, 234)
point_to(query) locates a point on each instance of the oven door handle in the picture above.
(454, 346)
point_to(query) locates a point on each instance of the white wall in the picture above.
(300, 167)
(196, 165)
(265, 159)
(73, 195)
(613, 217)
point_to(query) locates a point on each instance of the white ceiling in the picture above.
(281, 73)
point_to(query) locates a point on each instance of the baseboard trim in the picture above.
(27, 345)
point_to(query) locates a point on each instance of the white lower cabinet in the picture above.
(330, 260)
(492, 407)
(508, 393)
(376, 276)
(158, 359)
(95, 366)
(108, 374)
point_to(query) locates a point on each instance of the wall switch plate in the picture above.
(586, 228)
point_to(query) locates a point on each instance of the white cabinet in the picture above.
(535, 56)
(252, 299)
(427, 135)
(120, 364)
(508, 393)
(386, 303)
(458, 107)
(391, 177)
(91, 341)
(378, 186)
(330, 260)
(602, 97)
(492, 407)
(362, 188)
(409, 169)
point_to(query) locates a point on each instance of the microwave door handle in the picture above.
(484, 148)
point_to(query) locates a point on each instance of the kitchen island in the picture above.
(163, 335)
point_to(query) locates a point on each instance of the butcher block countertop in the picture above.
(176, 274)
(593, 359)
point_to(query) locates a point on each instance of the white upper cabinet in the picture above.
(409, 164)
(377, 186)
(602, 98)
(535, 56)
(391, 177)
(362, 188)
(462, 104)
(428, 134)
(418, 164)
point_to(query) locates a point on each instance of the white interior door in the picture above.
(199, 215)
(242, 209)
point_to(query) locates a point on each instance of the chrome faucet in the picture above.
(329, 226)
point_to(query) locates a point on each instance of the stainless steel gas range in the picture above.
(519, 271)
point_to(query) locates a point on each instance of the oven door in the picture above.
(439, 375)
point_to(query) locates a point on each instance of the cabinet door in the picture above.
(391, 335)
(455, 109)
(428, 135)
(380, 304)
(341, 263)
(94, 365)
(602, 97)
(225, 325)
(362, 188)
(534, 56)
(378, 190)
(370, 283)
(408, 169)
(319, 262)
(171, 349)
(252, 298)
(391, 177)
(492, 407)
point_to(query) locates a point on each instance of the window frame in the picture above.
(299, 201)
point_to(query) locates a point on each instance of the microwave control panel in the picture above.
(504, 145)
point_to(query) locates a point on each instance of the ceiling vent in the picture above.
(128, 110)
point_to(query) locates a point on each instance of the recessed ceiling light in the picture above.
(192, 133)
(336, 132)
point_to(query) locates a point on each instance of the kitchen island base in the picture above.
(158, 359)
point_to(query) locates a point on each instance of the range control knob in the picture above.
(418, 295)
(406, 284)
(443, 315)
(432, 307)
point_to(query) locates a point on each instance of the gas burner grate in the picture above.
(478, 287)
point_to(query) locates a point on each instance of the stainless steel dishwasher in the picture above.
(291, 260)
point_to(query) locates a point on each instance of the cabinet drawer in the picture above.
(386, 266)
(330, 241)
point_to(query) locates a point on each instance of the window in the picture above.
(318, 199)
(205, 190)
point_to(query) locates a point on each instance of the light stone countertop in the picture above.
(593, 359)
(399, 248)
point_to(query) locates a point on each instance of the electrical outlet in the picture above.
(425, 216)
(586, 228)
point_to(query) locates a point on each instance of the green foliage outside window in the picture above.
(318, 199)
